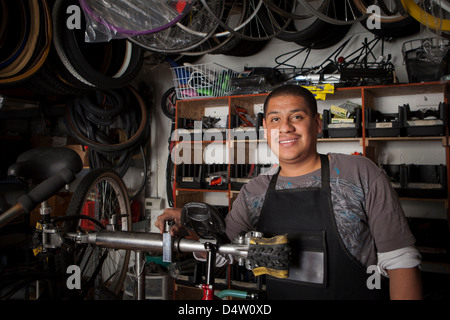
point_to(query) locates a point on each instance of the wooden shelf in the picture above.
(369, 141)
(368, 95)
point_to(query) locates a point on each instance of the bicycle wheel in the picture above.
(288, 8)
(142, 17)
(331, 11)
(260, 22)
(98, 66)
(222, 40)
(194, 29)
(101, 195)
(428, 13)
(388, 20)
(389, 11)
(169, 102)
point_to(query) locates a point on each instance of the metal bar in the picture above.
(140, 269)
(153, 242)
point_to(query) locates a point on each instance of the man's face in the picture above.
(291, 129)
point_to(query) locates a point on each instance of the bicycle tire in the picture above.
(84, 60)
(396, 25)
(101, 146)
(288, 9)
(102, 282)
(317, 34)
(169, 103)
(38, 48)
(425, 18)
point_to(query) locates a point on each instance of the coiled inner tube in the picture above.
(112, 124)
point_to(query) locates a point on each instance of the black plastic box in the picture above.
(343, 130)
(418, 124)
(190, 176)
(384, 124)
(394, 175)
(424, 181)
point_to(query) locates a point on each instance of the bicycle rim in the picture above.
(393, 15)
(103, 196)
(194, 29)
(143, 17)
(222, 40)
(431, 20)
(341, 12)
(288, 8)
(260, 22)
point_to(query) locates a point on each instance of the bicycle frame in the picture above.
(155, 243)
(53, 236)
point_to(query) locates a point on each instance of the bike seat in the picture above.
(205, 220)
(42, 163)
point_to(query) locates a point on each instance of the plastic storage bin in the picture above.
(418, 181)
(394, 175)
(158, 286)
(424, 122)
(202, 81)
(342, 130)
(428, 181)
(190, 176)
(384, 124)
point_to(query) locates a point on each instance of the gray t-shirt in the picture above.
(368, 213)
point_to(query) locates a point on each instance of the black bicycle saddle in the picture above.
(205, 220)
(41, 163)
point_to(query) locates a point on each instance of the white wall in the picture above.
(161, 80)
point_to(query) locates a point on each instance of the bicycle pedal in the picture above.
(269, 256)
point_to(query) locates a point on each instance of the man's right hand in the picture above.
(170, 214)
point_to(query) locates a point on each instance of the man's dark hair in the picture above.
(293, 90)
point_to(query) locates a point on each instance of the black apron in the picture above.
(320, 267)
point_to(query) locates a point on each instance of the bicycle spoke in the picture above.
(142, 17)
(340, 12)
(190, 32)
(101, 195)
(289, 8)
(260, 22)
(429, 13)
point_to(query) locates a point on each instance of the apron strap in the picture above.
(325, 172)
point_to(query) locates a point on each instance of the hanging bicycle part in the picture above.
(106, 20)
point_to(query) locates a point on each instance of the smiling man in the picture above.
(340, 212)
